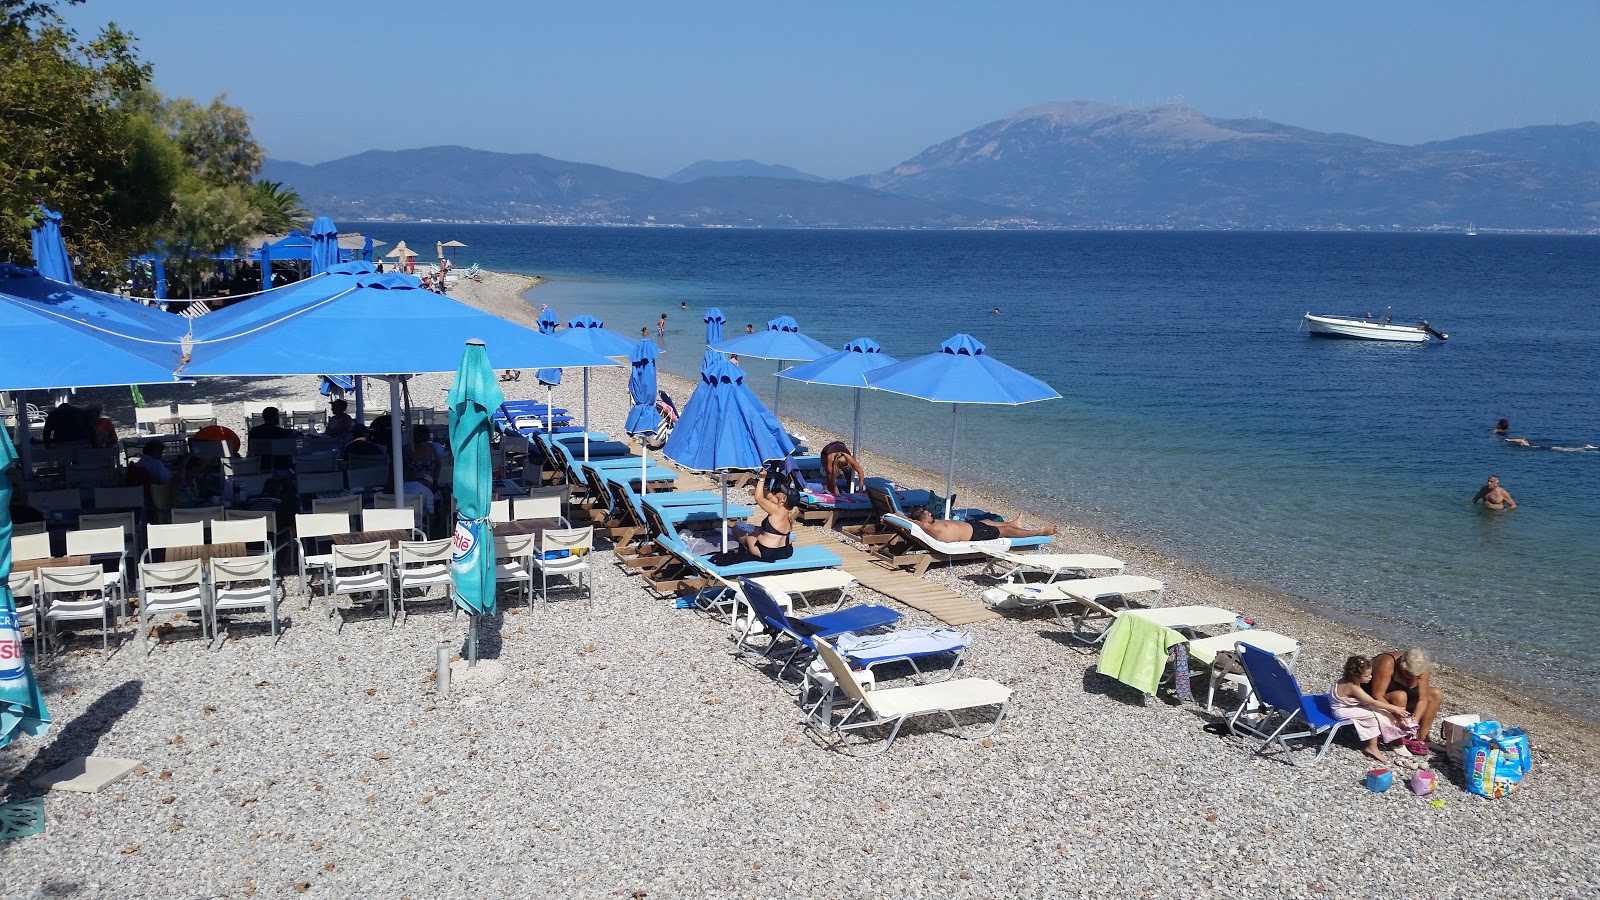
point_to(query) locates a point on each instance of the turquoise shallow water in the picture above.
(1196, 414)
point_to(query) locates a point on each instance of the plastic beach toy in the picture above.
(1422, 782)
(1379, 780)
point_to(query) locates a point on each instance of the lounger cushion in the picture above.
(964, 693)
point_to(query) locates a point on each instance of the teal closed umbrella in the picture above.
(21, 705)
(473, 398)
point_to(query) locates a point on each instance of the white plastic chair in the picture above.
(171, 587)
(76, 594)
(350, 506)
(102, 545)
(168, 537)
(360, 569)
(205, 515)
(241, 583)
(576, 543)
(315, 527)
(541, 503)
(512, 564)
(388, 519)
(424, 564)
(30, 546)
(244, 531)
(196, 416)
(24, 595)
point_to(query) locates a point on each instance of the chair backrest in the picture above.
(368, 472)
(386, 501)
(30, 546)
(276, 446)
(242, 465)
(349, 556)
(318, 482)
(170, 574)
(499, 511)
(239, 531)
(543, 503)
(72, 580)
(1271, 681)
(513, 546)
(22, 586)
(59, 501)
(596, 485)
(205, 515)
(626, 502)
(658, 526)
(765, 605)
(350, 506)
(225, 570)
(118, 498)
(247, 486)
(309, 525)
(209, 449)
(315, 465)
(33, 527)
(883, 498)
(412, 552)
(195, 411)
(100, 541)
(97, 456)
(184, 534)
(240, 515)
(386, 519)
(151, 415)
(576, 541)
(840, 671)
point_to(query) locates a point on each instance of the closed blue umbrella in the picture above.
(961, 372)
(725, 427)
(160, 292)
(590, 335)
(643, 417)
(366, 248)
(473, 398)
(847, 368)
(714, 323)
(50, 248)
(781, 340)
(266, 266)
(324, 245)
(21, 705)
(548, 323)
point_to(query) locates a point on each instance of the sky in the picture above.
(844, 88)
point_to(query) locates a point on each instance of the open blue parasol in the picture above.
(781, 341)
(960, 372)
(847, 368)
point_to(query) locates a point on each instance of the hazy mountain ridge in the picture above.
(1076, 164)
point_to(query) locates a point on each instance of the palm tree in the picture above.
(280, 207)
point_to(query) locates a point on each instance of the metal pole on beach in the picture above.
(472, 640)
(855, 434)
(397, 467)
(585, 415)
(950, 476)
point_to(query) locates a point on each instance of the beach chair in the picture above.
(834, 510)
(161, 538)
(893, 707)
(24, 587)
(684, 568)
(363, 572)
(1075, 602)
(1018, 566)
(563, 553)
(310, 531)
(389, 519)
(423, 565)
(1219, 656)
(107, 548)
(350, 505)
(910, 547)
(76, 594)
(205, 515)
(243, 583)
(1284, 705)
(172, 587)
(512, 563)
(797, 635)
(195, 416)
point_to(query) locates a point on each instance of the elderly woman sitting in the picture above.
(1401, 677)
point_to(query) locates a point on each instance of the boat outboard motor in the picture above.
(1429, 329)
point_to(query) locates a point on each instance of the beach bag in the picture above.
(1494, 759)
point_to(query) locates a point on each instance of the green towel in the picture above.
(1135, 652)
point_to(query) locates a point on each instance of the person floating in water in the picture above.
(997, 310)
(1493, 496)
(1503, 426)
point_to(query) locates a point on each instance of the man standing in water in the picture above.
(1493, 496)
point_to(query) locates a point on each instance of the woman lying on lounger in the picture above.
(774, 537)
(955, 531)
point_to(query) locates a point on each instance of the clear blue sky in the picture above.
(840, 89)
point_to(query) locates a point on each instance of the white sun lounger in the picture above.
(1051, 565)
(1083, 598)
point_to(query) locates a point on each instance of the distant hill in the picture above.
(1172, 166)
(738, 168)
(1078, 164)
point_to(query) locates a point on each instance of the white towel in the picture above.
(905, 642)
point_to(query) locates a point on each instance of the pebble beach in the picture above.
(629, 753)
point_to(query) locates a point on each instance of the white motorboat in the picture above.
(1371, 329)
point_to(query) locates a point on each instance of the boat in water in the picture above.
(1371, 329)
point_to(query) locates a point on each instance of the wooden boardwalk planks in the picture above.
(918, 593)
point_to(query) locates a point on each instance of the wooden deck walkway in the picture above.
(918, 593)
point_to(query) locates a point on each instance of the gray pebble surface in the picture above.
(629, 754)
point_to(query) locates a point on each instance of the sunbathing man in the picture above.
(1401, 677)
(1493, 496)
(955, 531)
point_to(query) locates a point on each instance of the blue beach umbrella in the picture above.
(49, 248)
(366, 248)
(548, 323)
(781, 340)
(266, 266)
(725, 427)
(847, 368)
(47, 348)
(93, 308)
(643, 417)
(590, 335)
(961, 372)
(324, 245)
(473, 398)
(714, 323)
(21, 705)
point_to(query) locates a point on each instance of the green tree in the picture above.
(281, 208)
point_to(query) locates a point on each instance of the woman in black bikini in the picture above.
(774, 538)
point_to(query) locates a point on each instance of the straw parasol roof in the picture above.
(401, 250)
(452, 244)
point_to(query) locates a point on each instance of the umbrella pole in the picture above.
(361, 400)
(723, 478)
(472, 641)
(549, 414)
(855, 435)
(24, 437)
(777, 391)
(644, 463)
(585, 415)
(395, 447)
(950, 475)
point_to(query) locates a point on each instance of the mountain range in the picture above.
(1079, 164)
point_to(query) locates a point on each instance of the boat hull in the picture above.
(1363, 329)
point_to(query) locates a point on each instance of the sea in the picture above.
(1197, 415)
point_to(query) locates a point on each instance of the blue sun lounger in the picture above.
(796, 634)
(691, 567)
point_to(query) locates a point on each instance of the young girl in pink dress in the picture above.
(1374, 719)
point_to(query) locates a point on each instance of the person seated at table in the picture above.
(955, 531)
(838, 464)
(149, 468)
(1401, 677)
(339, 421)
(422, 457)
(361, 444)
(270, 430)
(65, 423)
(382, 433)
(192, 485)
(102, 431)
(218, 433)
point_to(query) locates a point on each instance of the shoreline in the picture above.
(1326, 640)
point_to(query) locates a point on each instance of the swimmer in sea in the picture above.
(1503, 426)
(1493, 496)
(1524, 442)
